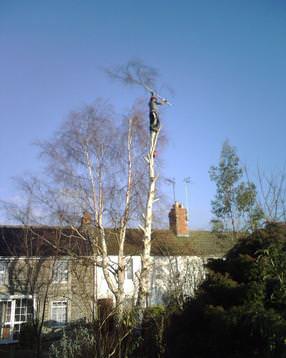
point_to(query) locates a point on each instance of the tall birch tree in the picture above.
(94, 165)
(138, 74)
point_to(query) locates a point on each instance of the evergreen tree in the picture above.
(240, 310)
(235, 200)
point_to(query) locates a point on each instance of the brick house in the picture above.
(52, 271)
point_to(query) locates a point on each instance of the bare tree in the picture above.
(272, 195)
(135, 72)
(95, 165)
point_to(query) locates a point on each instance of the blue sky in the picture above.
(225, 61)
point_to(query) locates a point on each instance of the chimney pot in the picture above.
(86, 218)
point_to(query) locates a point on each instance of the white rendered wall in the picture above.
(168, 273)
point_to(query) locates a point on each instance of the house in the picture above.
(52, 271)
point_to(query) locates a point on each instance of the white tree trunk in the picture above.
(116, 282)
(144, 277)
(120, 294)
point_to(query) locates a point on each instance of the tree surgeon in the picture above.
(153, 112)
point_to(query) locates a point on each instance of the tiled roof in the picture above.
(50, 241)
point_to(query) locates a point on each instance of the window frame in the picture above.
(129, 272)
(58, 275)
(9, 320)
(3, 272)
(61, 303)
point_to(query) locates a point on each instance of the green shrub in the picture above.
(76, 343)
(240, 310)
(151, 339)
(99, 339)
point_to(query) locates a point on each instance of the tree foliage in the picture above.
(240, 310)
(235, 200)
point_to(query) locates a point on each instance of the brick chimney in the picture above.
(86, 219)
(178, 220)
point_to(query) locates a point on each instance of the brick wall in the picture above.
(178, 220)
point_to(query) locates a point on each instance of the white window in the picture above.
(23, 310)
(129, 269)
(3, 272)
(5, 311)
(6, 330)
(59, 312)
(13, 313)
(60, 273)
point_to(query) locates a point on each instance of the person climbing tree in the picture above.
(153, 114)
(136, 73)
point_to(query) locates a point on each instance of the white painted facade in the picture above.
(169, 273)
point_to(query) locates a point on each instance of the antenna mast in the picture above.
(173, 183)
(187, 182)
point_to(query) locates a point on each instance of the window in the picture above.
(5, 311)
(23, 310)
(59, 312)
(129, 269)
(23, 313)
(5, 319)
(60, 271)
(3, 272)
(13, 313)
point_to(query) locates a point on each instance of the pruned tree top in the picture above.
(135, 72)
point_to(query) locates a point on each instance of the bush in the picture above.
(102, 338)
(76, 343)
(151, 339)
(217, 227)
(240, 310)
